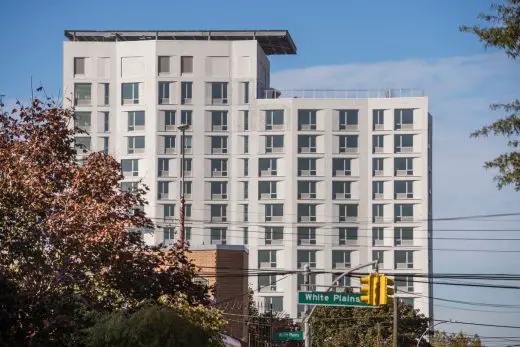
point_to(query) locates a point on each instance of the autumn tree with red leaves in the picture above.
(66, 239)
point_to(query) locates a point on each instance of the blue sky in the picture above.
(345, 44)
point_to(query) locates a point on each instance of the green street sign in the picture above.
(331, 299)
(288, 336)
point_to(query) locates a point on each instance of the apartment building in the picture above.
(331, 178)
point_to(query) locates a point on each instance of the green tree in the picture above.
(442, 339)
(503, 31)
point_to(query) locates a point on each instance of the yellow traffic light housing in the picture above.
(370, 289)
(384, 291)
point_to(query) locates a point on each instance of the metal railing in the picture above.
(342, 93)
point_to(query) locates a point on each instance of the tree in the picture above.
(365, 327)
(503, 32)
(69, 236)
(441, 339)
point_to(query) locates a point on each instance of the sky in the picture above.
(343, 45)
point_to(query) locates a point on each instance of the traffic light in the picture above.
(384, 291)
(370, 289)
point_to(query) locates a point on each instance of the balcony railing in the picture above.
(341, 93)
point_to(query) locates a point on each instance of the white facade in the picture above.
(350, 174)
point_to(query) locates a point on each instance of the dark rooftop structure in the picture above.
(271, 41)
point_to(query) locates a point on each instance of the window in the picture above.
(273, 304)
(186, 64)
(341, 167)
(79, 66)
(169, 144)
(274, 212)
(135, 144)
(187, 230)
(307, 167)
(266, 190)
(169, 236)
(378, 236)
(187, 144)
(218, 190)
(378, 213)
(164, 65)
(186, 93)
(218, 167)
(218, 144)
(273, 235)
(348, 213)
(186, 166)
(267, 167)
(83, 121)
(403, 189)
(136, 120)
(244, 92)
(344, 283)
(130, 167)
(341, 259)
(163, 190)
(403, 143)
(306, 119)
(246, 167)
(186, 190)
(129, 93)
(306, 236)
(403, 259)
(274, 120)
(378, 144)
(218, 213)
(246, 190)
(306, 190)
(380, 256)
(129, 187)
(403, 119)
(165, 93)
(404, 283)
(266, 283)
(245, 115)
(274, 143)
(306, 213)
(219, 121)
(300, 281)
(403, 212)
(403, 236)
(187, 208)
(403, 166)
(266, 259)
(169, 120)
(83, 144)
(307, 143)
(105, 145)
(103, 94)
(82, 94)
(218, 236)
(341, 190)
(246, 144)
(407, 301)
(378, 190)
(168, 211)
(306, 257)
(348, 236)
(163, 168)
(377, 167)
(186, 118)
(378, 119)
(348, 120)
(348, 144)
(245, 212)
(245, 233)
(104, 120)
(219, 93)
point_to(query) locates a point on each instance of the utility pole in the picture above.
(394, 331)
(307, 321)
(182, 128)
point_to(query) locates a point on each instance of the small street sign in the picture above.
(288, 336)
(330, 299)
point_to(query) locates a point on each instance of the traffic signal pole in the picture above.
(394, 331)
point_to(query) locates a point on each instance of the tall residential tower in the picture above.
(331, 178)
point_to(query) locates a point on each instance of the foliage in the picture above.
(441, 339)
(346, 327)
(503, 32)
(168, 323)
(66, 239)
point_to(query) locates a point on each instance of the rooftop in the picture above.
(386, 93)
(271, 41)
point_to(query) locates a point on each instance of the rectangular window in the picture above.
(267, 167)
(341, 190)
(274, 144)
(300, 282)
(273, 304)
(307, 143)
(306, 213)
(219, 120)
(136, 120)
(403, 143)
(306, 167)
(163, 190)
(83, 120)
(307, 119)
(246, 144)
(341, 167)
(378, 119)
(273, 235)
(218, 191)
(403, 190)
(169, 121)
(403, 260)
(266, 190)
(341, 259)
(348, 119)
(186, 64)
(403, 166)
(274, 213)
(219, 93)
(246, 120)
(348, 213)
(404, 283)
(403, 119)
(245, 233)
(266, 259)
(105, 145)
(187, 211)
(274, 120)
(266, 283)
(187, 231)
(378, 236)
(343, 284)
(188, 144)
(218, 213)
(378, 144)
(169, 144)
(169, 236)
(163, 168)
(186, 190)
(129, 93)
(306, 190)
(103, 94)
(378, 213)
(135, 144)
(165, 93)
(306, 236)
(306, 257)
(218, 167)
(82, 94)
(348, 236)
(129, 187)
(403, 236)
(246, 167)
(380, 256)
(218, 236)
(186, 93)
(244, 92)
(186, 166)
(164, 64)
(245, 212)
(246, 190)
(186, 118)
(377, 167)
(104, 121)
(348, 144)
(403, 212)
(378, 190)
(83, 144)
(79, 66)
(169, 211)
(130, 167)
(218, 144)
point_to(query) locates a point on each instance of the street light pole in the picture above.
(182, 128)
(431, 327)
